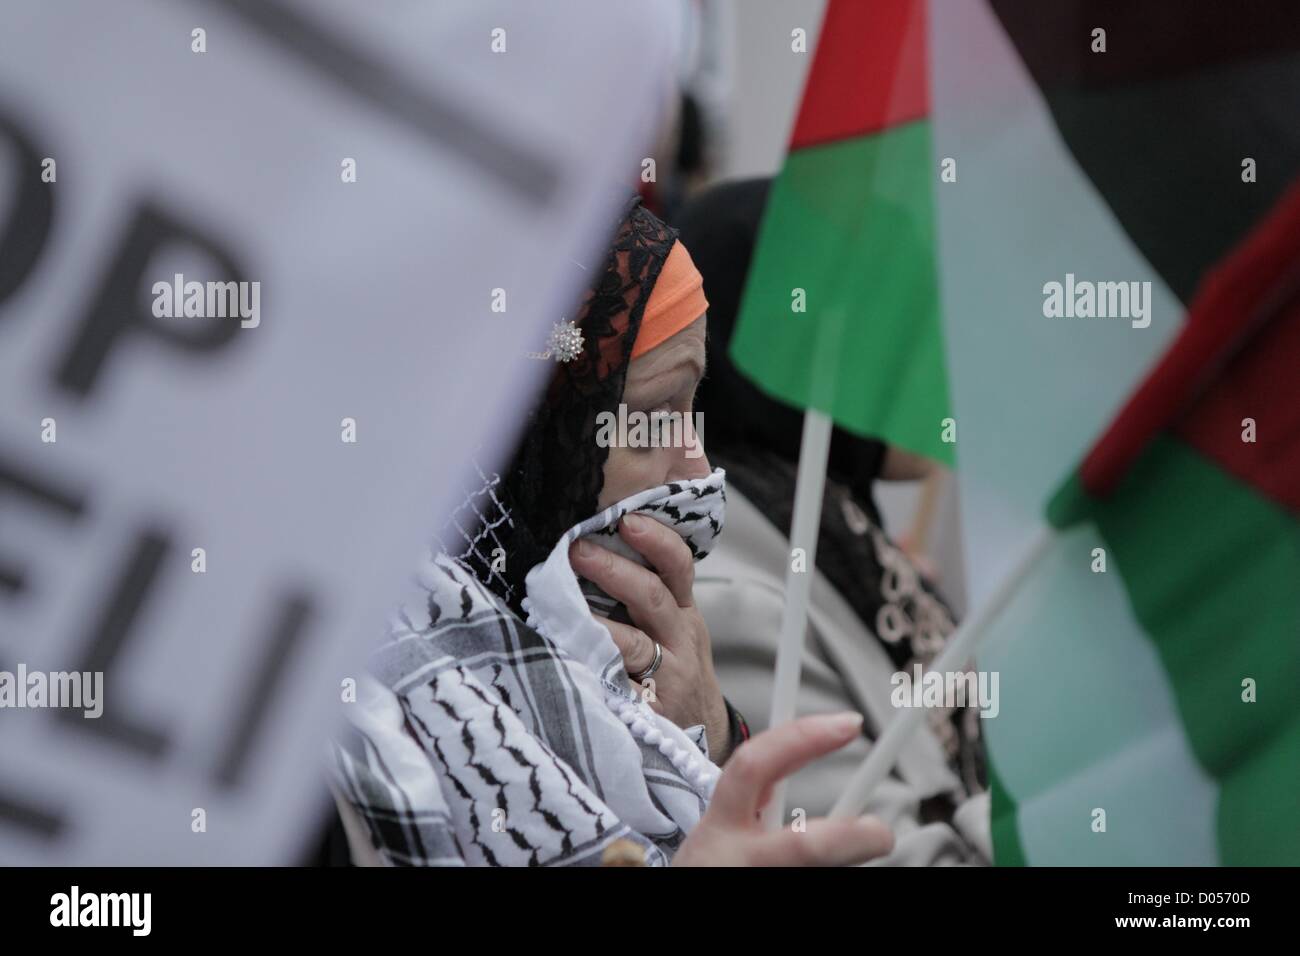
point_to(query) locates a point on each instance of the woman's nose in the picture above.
(692, 462)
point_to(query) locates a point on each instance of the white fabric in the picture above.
(558, 610)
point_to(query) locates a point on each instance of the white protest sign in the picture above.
(209, 493)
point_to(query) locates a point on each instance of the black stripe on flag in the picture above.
(1161, 121)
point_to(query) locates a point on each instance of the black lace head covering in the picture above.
(557, 472)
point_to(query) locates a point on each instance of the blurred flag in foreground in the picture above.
(1191, 498)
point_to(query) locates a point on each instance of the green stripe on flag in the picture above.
(1212, 570)
(852, 224)
(1007, 850)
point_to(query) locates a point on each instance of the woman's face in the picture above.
(659, 383)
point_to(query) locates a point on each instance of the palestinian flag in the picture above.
(1193, 498)
(841, 309)
(1154, 160)
(1122, 162)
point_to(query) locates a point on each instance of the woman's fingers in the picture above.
(637, 649)
(666, 551)
(730, 833)
(825, 842)
(649, 602)
(759, 763)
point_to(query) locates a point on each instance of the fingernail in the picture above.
(583, 548)
(874, 827)
(846, 723)
(634, 524)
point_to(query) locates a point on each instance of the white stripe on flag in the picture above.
(1088, 720)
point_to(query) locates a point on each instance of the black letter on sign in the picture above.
(34, 817)
(12, 578)
(278, 653)
(120, 304)
(33, 212)
(114, 631)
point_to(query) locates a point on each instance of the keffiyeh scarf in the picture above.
(486, 739)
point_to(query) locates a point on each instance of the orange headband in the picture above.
(676, 301)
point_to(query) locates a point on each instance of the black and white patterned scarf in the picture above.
(485, 739)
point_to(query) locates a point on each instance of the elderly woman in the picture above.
(548, 694)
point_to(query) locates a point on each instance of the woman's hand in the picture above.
(731, 834)
(662, 606)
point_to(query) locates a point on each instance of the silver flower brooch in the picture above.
(564, 344)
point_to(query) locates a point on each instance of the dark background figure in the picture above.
(757, 440)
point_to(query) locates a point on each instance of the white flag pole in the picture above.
(960, 649)
(804, 526)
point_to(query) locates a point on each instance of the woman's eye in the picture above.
(658, 430)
